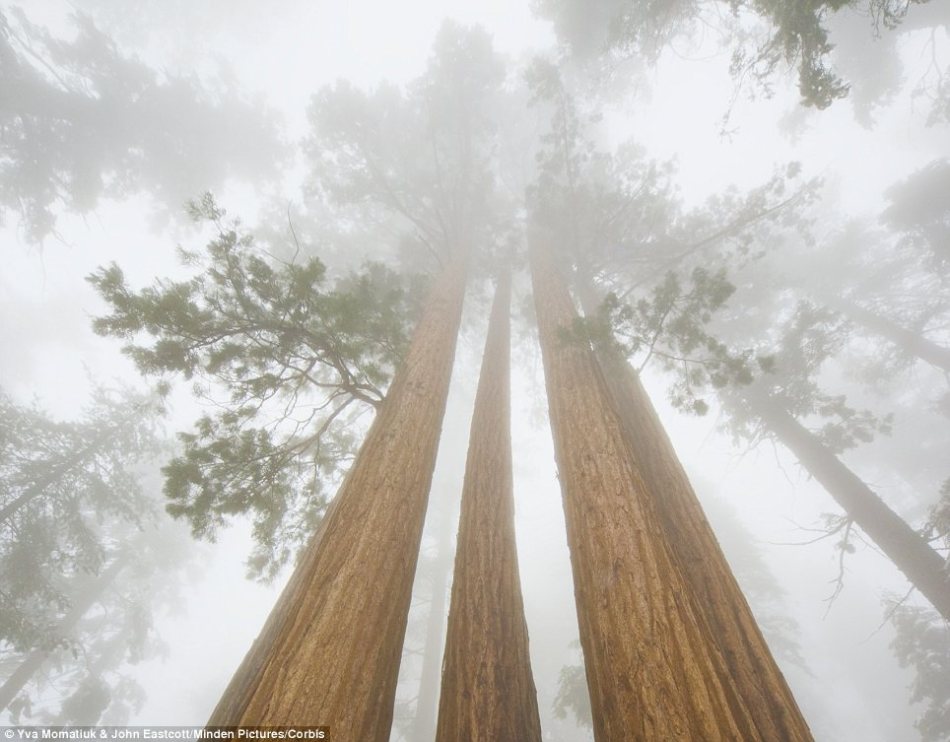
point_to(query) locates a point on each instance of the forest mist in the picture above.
(232, 232)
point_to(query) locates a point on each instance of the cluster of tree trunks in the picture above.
(671, 646)
(671, 649)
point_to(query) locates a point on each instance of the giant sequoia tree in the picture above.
(274, 334)
(266, 332)
(664, 292)
(629, 582)
(487, 687)
(346, 604)
(299, 360)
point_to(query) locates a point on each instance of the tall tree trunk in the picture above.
(329, 652)
(721, 603)
(907, 549)
(910, 343)
(653, 670)
(35, 659)
(488, 691)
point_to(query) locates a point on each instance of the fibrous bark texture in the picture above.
(721, 603)
(329, 653)
(488, 690)
(907, 549)
(653, 670)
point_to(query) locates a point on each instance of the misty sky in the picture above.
(279, 55)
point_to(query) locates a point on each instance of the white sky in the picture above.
(855, 691)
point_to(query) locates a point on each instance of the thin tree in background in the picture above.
(907, 548)
(329, 652)
(652, 668)
(68, 492)
(81, 541)
(777, 405)
(31, 664)
(912, 344)
(488, 691)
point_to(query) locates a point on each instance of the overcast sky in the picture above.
(284, 52)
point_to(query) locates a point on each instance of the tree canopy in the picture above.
(292, 359)
(765, 36)
(82, 122)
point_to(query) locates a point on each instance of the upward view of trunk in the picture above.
(907, 549)
(329, 652)
(910, 343)
(488, 690)
(35, 659)
(749, 661)
(653, 670)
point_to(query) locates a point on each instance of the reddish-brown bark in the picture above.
(488, 690)
(653, 670)
(720, 602)
(329, 653)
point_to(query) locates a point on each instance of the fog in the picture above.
(223, 224)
